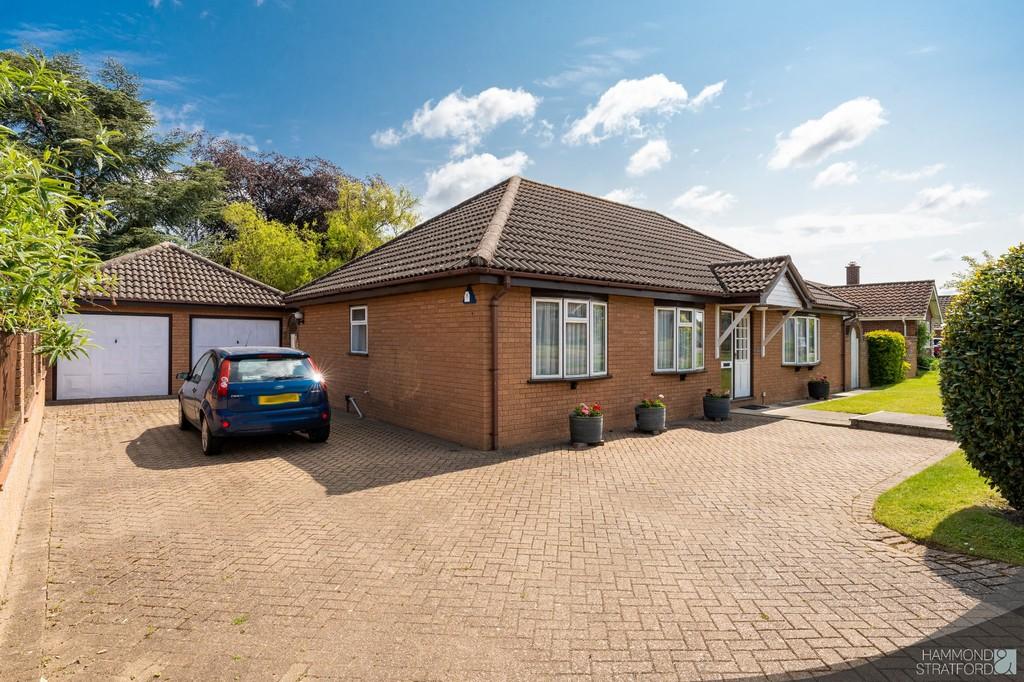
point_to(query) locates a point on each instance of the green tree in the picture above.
(370, 212)
(46, 225)
(280, 255)
(982, 378)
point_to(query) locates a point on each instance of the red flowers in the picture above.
(584, 410)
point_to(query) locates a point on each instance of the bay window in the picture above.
(800, 341)
(678, 339)
(570, 338)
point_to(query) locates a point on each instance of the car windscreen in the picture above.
(270, 369)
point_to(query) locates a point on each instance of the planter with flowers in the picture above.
(586, 424)
(650, 415)
(716, 406)
(818, 387)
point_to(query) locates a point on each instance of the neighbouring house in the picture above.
(895, 306)
(944, 300)
(486, 324)
(166, 307)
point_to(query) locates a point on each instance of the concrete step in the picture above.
(921, 425)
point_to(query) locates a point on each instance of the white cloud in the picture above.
(845, 127)
(910, 176)
(650, 157)
(463, 119)
(177, 118)
(942, 254)
(699, 198)
(709, 93)
(458, 180)
(622, 108)
(545, 132)
(947, 198)
(626, 195)
(47, 36)
(840, 173)
(593, 68)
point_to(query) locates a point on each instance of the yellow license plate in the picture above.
(279, 398)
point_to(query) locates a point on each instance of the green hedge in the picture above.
(886, 350)
(924, 346)
(982, 379)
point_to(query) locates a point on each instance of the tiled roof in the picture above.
(889, 299)
(524, 227)
(168, 273)
(749, 276)
(944, 302)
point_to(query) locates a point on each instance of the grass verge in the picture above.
(917, 395)
(949, 505)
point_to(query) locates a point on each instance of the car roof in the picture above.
(245, 351)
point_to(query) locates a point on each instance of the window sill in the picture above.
(673, 372)
(358, 354)
(798, 366)
(562, 380)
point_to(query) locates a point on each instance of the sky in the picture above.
(886, 133)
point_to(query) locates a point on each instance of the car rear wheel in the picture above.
(183, 423)
(211, 444)
(320, 435)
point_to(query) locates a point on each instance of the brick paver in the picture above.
(713, 550)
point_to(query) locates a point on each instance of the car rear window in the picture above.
(270, 369)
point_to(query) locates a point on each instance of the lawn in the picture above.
(918, 395)
(949, 505)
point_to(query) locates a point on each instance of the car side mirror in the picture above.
(183, 376)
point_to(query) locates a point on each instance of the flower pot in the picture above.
(818, 389)
(588, 430)
(716, 409)
(650, 419)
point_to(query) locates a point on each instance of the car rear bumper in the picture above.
(283, 420)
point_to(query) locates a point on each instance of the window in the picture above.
(570, 338)
(357, 329)
(678, 339)
(270, 369)
(800, 341)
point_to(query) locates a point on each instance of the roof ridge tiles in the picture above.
(484, 254)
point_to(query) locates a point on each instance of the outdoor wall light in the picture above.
(468, 296)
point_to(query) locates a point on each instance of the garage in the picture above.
(212, 332)
(129, 356)
(164, 307)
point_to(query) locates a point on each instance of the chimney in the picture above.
(852, 273)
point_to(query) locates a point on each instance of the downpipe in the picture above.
(495, 301)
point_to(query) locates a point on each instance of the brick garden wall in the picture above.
(180, 325)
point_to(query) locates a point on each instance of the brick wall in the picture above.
(428, 366)
(180, 326)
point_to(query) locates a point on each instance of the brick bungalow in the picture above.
(166, 307)
(486, 324)
(894, 306)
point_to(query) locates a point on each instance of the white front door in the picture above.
(741, 359)
(214, 332)
(854, 359)
(129, 356)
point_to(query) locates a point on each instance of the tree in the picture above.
(369, 213)
(46, 225)
(982, 377)
(285, 189)
(280, 255)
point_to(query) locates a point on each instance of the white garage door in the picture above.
(129, 357)
(211, 332)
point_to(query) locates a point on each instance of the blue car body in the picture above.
(247, 390)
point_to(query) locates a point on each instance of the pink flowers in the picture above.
(584, 410)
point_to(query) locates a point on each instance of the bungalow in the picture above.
(167, 306)
(486, 324)
(895, 306)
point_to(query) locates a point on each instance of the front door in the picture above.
(741, 385)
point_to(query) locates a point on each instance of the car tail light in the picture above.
(317, 374)
(222, 380)
(225, 424)
(324, 416)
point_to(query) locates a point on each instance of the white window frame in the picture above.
(802, 323)
(563, 322)
(365, 323)
(694, 338)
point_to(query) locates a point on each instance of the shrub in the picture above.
(885, 357)
(982, 380)
(924, 346)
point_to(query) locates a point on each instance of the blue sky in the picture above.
(886, 133)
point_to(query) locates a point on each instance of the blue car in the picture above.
(243, 391)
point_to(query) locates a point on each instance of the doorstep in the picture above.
(793, 410)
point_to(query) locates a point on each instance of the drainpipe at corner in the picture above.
(495, 301)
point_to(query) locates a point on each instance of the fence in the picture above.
(21, 374)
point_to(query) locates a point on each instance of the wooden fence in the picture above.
(21, 373)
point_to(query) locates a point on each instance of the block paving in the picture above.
(713, 551)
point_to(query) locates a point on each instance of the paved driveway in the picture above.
(714, 549)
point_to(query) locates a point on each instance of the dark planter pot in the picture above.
(650, 419)
(716, 409)
(818, 389)
(588, 430)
